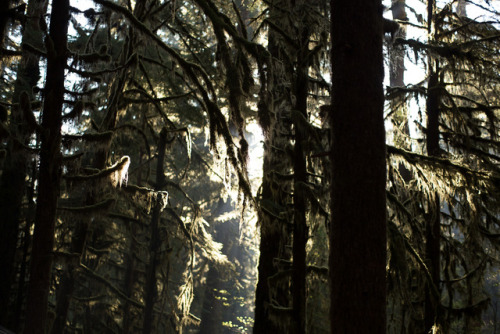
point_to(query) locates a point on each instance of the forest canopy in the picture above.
(265, 166)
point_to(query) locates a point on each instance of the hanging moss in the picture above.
(146, 198)
(114, 175)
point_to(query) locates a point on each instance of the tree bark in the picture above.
(274, 215)
(12, 184)
(49, 171)
(358, 228)
(300, 227)
(433, 227)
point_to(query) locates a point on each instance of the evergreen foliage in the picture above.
(128, 199)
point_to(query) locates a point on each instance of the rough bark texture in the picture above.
(274, 216)
(274, 234)
(49, 171)
(358, 228)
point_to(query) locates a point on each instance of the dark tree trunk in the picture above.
(358, 227)
(274, 215)
(154, 242)
(433, 257)
(12, 184)
(300, 228)
(131, 262)
(26, 243)
(432, 106)
(4, 8)
(270, 253)
(49, 171)
(433, 224)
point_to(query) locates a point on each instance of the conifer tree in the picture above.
(358, 224)
(49, 171)
(15, 166)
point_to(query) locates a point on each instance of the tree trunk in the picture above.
(12, 184)
(154, 242)
(433, 224)
(274, 215)
(300, 228)
(131, 262)
(4, 8)
(433, 227)
(358, 227)
(49, 171)
(397, 56)
(26, 243)
(396, 79)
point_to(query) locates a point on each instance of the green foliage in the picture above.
(196, 73)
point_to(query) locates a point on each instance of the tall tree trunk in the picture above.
(433, 224)
(300, 228)
(26, 243)
(49, 171)
(358, 227)
(274, 215)
(131, 262)
(151, 292)
(274, 229)
(12, 183)
(433, 227)
(4, 8)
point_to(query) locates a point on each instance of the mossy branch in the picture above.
(115, 172)
(110, 285)
(89, 209)
(442, 163)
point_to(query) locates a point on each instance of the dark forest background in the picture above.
(265, 166)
